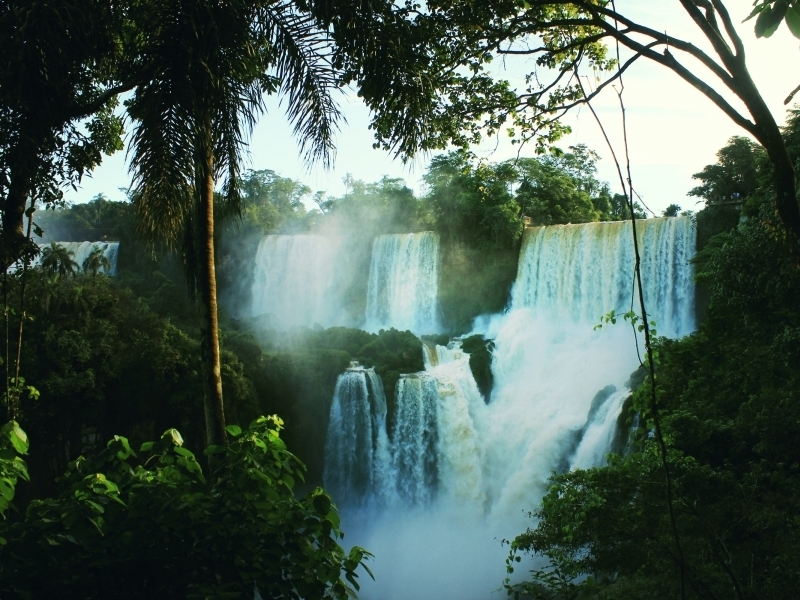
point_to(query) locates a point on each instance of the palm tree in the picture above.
(57, 260)
(96, 262)
(208, 64)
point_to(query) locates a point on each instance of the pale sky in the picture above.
(673, 130)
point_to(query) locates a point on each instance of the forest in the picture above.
(164, 439)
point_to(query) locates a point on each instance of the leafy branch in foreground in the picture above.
(558, 44)
(152, 525)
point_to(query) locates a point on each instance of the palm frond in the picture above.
(304, 66)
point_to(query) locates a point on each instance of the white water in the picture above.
(80, 251)
(403, 283)
(299, 280)
(581, 272)
(491, 462)
(357, 447)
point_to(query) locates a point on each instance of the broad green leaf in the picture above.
(19, 439)
(793, 21)
(183, 452)
(147, 446)
(322, 504)
(234, 430)
(7, 489)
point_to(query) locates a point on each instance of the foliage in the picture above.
(99, 219)
(104, 363)
(771, 13)
(13, 442)
(57, 260)
(734, 176)
(728, 397)
(153, 526)
(471, 200)
(58, 87)
(96, 262)
(558, 44)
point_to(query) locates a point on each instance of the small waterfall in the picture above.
(299, 280)
(581, 272)
(403, 283)
(415, 439)
(81, 251)
(598, 435)
(357, 449)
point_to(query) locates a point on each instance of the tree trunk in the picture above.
(768, 134)
(22, 162)
(207, 293)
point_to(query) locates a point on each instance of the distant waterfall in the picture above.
(581, 272)
(299, 280)
(81, 251)
(403, 283)
(357, 448)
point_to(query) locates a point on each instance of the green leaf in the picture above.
(234, 430)
(7, 489)
(147, 446)
(19, 439)
(214, 450)
(793, 21)
(183, 452)
(322, 504)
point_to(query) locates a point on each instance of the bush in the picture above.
(153, 526)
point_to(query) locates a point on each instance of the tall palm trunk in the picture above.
(207, 293)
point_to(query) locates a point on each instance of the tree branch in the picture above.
(80, 112)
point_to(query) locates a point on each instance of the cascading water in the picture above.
(298, 280)
(580, 272)
(357, 448)
(559, 388)
(403, 283)
(80, 251)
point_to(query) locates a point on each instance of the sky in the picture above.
(673, 131)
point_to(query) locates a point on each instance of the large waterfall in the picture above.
(580, 272)
(403, 282)
(459, 473)
(300, 280)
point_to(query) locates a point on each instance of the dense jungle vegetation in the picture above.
(119, 474)
(119, 356)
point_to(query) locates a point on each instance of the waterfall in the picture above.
(414, 440)
(357, 448)
(462, 473)
(403, 283)
(581, 272)
(300, 280)
(81, 251)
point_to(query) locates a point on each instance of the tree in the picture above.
(57, 68)
(208, 67)
(472, 199)
(734, 176)
(57, 260)
(565, 41)
(673, 210)
(96, 262)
